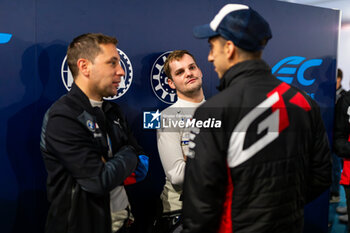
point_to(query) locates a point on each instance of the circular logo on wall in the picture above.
(125, 82)
(159, 81)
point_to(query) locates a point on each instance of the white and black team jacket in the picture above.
(268, 159)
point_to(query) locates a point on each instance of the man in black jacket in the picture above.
(270, 156)
(341, 124)
(86, 144)
(337, 163)
(341, 144)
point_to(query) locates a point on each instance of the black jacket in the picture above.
(73, 142)
(342, 128)
(269, 157)
(341, 139)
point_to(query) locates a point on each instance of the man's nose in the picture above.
(120, 70)
(188, 73)
(210, 57)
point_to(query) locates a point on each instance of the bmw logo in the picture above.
(91, 125)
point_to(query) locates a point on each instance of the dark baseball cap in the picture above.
(245, 27)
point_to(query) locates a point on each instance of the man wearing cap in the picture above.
(270, 156)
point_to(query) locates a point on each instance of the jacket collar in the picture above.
(242, 69)
(339, 90)
(79, 96)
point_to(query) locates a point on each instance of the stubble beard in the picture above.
(194, 91)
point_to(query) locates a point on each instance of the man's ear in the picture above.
(171, 83)
(230, 49)
(84, 66)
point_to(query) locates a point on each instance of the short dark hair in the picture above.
(175, 55)
(339, 73)
(246, 55)
(86, 46)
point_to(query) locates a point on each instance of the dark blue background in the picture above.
(30, 82)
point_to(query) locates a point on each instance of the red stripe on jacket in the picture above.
(345, 175)
(226, 217)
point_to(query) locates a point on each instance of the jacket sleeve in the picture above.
(319, 175)
(171, 155)
(205, 180)
(141, 170)
(341, 143)
(72, 145)
(130, 138)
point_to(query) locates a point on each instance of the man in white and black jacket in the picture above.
(87, 146)
(270, 156)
